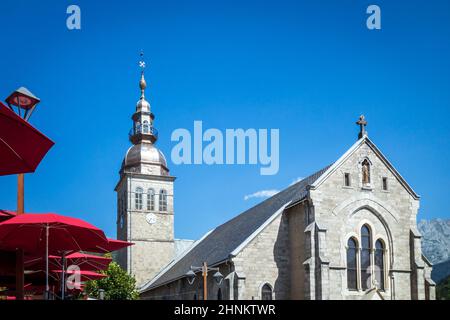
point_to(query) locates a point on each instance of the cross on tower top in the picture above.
(142, 62)
(362, 126)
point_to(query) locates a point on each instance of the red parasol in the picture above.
(6, 214)
(88, 262)
(83, 261)
(22, 147)
(49, 233)
(28, 232)
(110, 246)
(84, 274)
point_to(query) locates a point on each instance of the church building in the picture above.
(347, 231)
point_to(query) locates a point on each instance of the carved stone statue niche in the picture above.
(365, 172)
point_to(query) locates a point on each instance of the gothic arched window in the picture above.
(379, 263)
(163, 200)
(266, 292)
(365, 167)
(151, 199)
(366, 245)
(352, 264)
(138, 198)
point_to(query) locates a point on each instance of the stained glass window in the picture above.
(352, 279)
(379, 263)
(365, 257)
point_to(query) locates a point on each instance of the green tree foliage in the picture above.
(118, 284)
(443, 289)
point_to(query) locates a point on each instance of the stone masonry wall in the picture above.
(266, 260)
(343, 210)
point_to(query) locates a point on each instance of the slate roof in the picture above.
(217, 246)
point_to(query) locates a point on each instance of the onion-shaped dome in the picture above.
(144, 153)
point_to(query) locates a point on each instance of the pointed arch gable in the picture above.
(358, 144)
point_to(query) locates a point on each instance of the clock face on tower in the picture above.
(151, 218)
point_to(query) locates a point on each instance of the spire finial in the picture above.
(142, 83)
(362, 126)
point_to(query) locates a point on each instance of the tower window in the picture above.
(266, 292)
(385, 184)
(146, 127)
(347, 179)
(137, 128)
(163, 200)
(151, 200)
(138, 199)
(352, 267)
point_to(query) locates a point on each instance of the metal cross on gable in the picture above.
(362, 126)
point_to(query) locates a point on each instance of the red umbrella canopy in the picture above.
(6, 214)
(110, 246)
(88, 261)
(22, 147)
(65, 234)
(85, 275)
(83, 261)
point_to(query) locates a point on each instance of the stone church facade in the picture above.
(348, 231)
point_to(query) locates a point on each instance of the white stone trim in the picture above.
(236, 251)
(365, 200)
(166, 268)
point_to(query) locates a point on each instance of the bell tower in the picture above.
(145, 214)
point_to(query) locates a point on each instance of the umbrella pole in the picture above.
(63, 280)
(19, 275)
(47, 289)
(19, 252)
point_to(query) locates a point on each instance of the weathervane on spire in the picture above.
(142, 83)
(142, 62)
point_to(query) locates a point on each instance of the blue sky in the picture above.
(308, 68)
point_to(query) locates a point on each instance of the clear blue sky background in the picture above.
(308, 68)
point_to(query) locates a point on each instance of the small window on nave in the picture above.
(347, 179)
(385, 183)
(266, 292)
